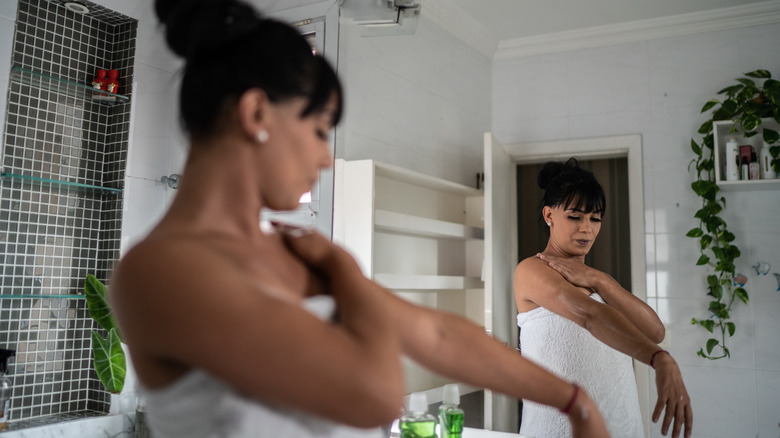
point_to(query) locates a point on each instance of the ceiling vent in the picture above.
(383, 17)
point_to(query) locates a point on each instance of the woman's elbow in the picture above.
(659, 334)
(382, 401)
(379, 411)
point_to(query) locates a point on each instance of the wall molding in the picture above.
(641, 30)
(462, 26)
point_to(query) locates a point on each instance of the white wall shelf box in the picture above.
(721, 134)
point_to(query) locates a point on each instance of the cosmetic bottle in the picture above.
(416, 422)
(112, 85)
(732, 160)
(5, 387)
(744, 169)
(754, 170)
(451, 416)
(100, 80)
(765, 162)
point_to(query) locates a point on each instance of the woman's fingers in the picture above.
(679, 418)
(677, 413)
(688, 420)
(312, 247)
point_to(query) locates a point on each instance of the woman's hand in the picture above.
(311, 247)
(672, 396)
(586, 420)
(324, 258)
(576, 273)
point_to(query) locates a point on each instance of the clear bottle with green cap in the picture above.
(416, 422)
(451, 415)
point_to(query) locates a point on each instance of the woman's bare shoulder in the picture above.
(530, 266)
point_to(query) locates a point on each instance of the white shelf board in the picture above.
(427, 282)
(755, 184)
(410, 176)
(385, 220)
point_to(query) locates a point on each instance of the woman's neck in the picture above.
(219, 190)
(554, 250)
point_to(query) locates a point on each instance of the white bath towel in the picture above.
(571, 352)
(197, 405)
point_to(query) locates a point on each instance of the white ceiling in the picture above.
(512, 19)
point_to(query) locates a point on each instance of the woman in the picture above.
(582, 325)
(228, 325)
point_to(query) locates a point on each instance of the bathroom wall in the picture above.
(656, 88)
(421, 102)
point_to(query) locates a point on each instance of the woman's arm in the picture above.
(455, 347)
(634, 309)
(536, 282)
(182, 305)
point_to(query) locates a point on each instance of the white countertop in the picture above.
(469, 432)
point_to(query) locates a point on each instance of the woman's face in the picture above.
(572, 231)
(296, 150)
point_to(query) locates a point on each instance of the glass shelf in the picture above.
(41, 297)
(67, 87)
(56, 182)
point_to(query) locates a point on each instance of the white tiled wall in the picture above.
(418, 101)
(657, 88)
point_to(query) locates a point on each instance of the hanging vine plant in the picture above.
(746, 104)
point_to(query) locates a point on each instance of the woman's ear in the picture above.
(254, 112)
(547, 214)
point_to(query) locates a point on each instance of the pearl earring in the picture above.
(549, 224)
(262, 136)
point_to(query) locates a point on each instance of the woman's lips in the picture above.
(583, 242)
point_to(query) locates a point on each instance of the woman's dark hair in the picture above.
(568, 185)
(229, 49)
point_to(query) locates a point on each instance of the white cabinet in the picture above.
(721, 134)
(420, 236)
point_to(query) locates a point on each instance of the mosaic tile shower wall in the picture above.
(63, 161)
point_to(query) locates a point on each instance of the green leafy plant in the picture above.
(109, 362)
(745, 104)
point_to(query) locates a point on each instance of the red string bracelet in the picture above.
(652, 358)
(570, 405)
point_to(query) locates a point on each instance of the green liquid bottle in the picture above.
(451, 416)
(416, 422)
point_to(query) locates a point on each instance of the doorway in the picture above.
(501, 165)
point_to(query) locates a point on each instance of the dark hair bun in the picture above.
(554, 168)
(197, 26)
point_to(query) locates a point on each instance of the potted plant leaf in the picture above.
(110, 362)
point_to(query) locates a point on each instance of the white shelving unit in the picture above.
(721, 134)
(420, 236)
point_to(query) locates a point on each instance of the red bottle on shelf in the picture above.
(112, 85)
(100, 80)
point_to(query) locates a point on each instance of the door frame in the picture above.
(629, 146)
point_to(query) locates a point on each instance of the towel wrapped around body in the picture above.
(572, 353)
(198, 405)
